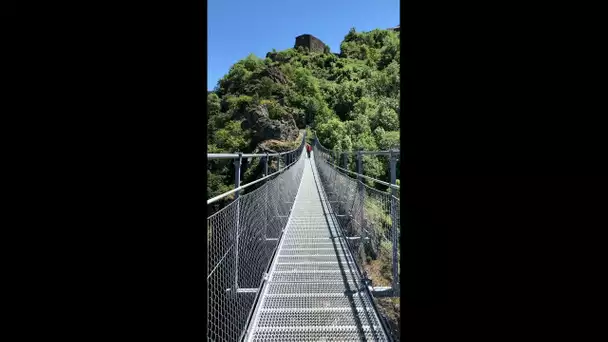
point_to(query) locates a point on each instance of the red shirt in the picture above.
(308, 148)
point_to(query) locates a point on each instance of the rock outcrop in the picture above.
(264, 128)
(276, 57)
(275, 74)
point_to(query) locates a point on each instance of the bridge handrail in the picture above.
(392, 186)
(218, 197)
(366, 152)
(360, 151)
(394, 152)
(244, 155)
(390, 206)
(242, 240)
(249, 155)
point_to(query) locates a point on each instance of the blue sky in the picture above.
(236, 28)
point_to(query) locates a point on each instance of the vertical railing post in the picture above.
(360, 172)
(278, 178)
(347, 211)
(362, 223)
(335, 161)
(237, 183)
(266, 160)
(359, 165)
(360, 179)
(393, 171)
(266, 202)
(352, 208)
(344, 203)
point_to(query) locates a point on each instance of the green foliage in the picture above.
(306, 83)
(351, 35)
(365, 107)
(216, 184)
(235, 80)
(275, 110)
(387, 140)
(310, 136)
(213, 104)
(266, 87)
(215, 119)
(232, 137)
(334, 133)
(346, 95)
(252, 63)
(250, 173)
(238, 104)
(317, 111)
(390, 51)
(377, 46)
(385, 117)
(385, 82)
(377, 216)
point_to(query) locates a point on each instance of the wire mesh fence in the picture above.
(242, 238)
(368, 215)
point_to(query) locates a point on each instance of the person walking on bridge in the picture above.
(308, 150)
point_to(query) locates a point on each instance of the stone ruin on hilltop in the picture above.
(311, 42)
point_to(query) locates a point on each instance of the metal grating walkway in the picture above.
(312, 293)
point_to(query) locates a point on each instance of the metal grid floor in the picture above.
(313, 291)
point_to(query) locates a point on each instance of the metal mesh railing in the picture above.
(369, 216)
(242, 238)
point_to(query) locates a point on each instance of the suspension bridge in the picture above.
(286, 258)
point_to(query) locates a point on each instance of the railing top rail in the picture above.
(250, 155)
(247, 155)
(393, 186)
(394, 152)
(218, 197)
(244, 155)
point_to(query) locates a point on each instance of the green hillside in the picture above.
(351, 101)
